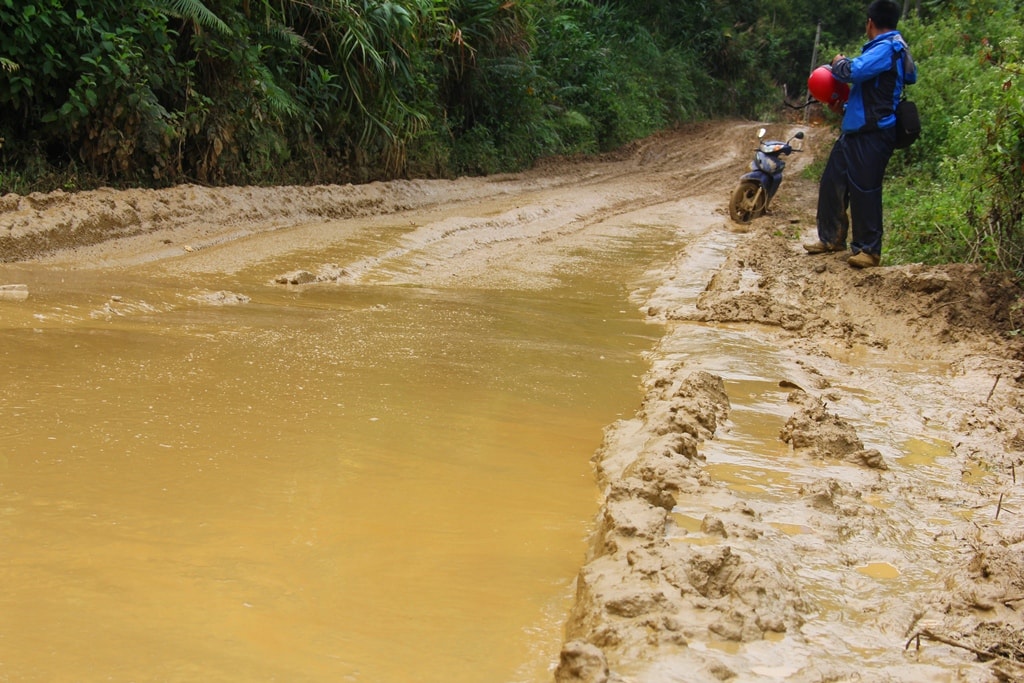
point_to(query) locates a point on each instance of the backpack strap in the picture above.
(901, 52)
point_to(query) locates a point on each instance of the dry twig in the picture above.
(993, 389)
(935, 308)
(982, 654)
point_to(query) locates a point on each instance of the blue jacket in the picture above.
(877, 77)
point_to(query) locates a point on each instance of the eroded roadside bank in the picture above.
(852, 514)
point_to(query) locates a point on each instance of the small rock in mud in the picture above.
(870, 457)
(636, 603)
(721, 671)
(581, 662)
(699, 405)
(298, 277)
(823, 434)
(223, 298)
(330, 272)
(713, 526)
(13, 292)
(830, 495)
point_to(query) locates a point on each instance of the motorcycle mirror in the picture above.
(760, 133)
(799, 135)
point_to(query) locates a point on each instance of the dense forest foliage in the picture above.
(958, 193)
(271, 91)
(157, 92)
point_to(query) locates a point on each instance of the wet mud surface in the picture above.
(877, 543)
(822, 482)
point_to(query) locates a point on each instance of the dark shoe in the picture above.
(862, 259)
(820, 247)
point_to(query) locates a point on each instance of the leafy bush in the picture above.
(607, 68)
(958, 193)
(79, 80)
(576, 133)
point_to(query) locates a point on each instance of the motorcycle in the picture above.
(756, 188)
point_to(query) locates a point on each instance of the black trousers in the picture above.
(852, 181)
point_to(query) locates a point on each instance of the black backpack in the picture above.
(908, 124)
(908, 121)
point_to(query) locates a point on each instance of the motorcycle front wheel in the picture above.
(748, 201)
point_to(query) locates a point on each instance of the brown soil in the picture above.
(874, 567)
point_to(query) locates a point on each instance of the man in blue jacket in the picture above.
(856, 166)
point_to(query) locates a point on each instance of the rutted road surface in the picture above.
(821, 483)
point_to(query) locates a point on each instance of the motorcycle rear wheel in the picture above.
(748, 201)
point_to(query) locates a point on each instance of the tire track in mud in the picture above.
(113, 228)
(519, 233)
(813, 479)
(535, 228)
(508, 230)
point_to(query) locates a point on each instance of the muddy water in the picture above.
(327, 483)
(859, 597)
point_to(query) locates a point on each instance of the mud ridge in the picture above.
(738, 600)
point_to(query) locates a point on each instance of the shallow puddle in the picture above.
(327, 483)
(748, 458)
(923, 452)
(879, 570)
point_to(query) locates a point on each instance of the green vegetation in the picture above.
(157, 92)
(957, 195)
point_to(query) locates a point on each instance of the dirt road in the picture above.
(854, 516)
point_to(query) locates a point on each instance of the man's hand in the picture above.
(837, 58)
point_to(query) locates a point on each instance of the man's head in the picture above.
(884, 14)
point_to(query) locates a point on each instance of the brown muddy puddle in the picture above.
(326, 483)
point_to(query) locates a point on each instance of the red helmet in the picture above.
(826, 88)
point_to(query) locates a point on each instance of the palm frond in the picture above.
(196, 11)
(282, 34)
(277, 98)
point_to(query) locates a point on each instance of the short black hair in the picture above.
(885, 13)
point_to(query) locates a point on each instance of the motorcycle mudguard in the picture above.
(769, 183)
